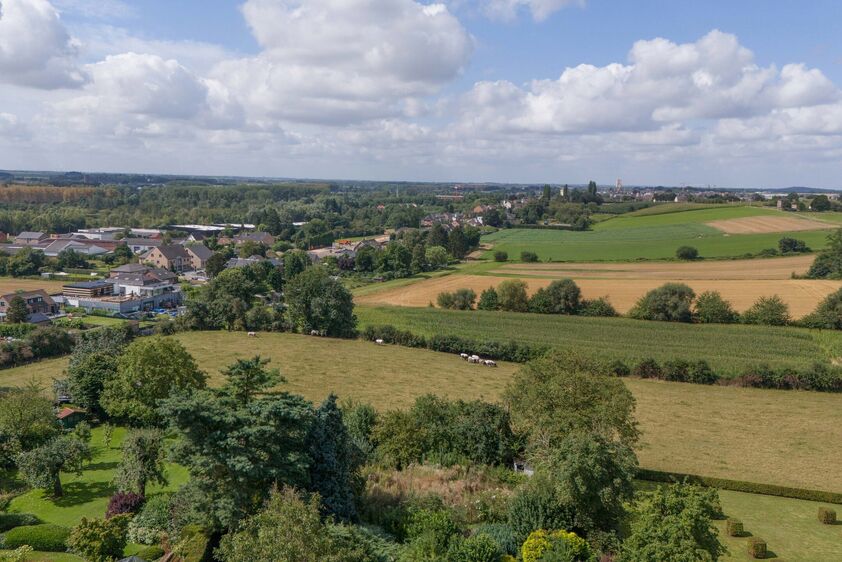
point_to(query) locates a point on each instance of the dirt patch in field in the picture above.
(778, 268)
(801, 295)
(760, 225)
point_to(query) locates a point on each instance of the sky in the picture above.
(655, 92)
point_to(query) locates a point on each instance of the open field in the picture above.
(636, 236)
(802, 295)
(728, 348)
(12, 284)
(788, 526)
(757, 225)
(777, 437)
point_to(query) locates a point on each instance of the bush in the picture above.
(756, 547)
(670, 302)
(711, 308)
(540, 544)
(461, 299)
(687, 253)
(488, 300)
(560, 297)
(99, 540)
(149, 526)
(597, 307)
(502, 535)
(528, 257)
(648, 369)
(619, 369)
(828, 313)
(734, 527)
(536, 506)
(768, 311)
(45, 537)
(12, 520)
(478, 548)
(827, 516)
(792, 246)
(512, 296)
(150, 553)
(501, 256)
(124, 502)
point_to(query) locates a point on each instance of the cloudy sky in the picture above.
(744, 94)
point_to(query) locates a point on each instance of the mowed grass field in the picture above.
(778, 437)
(657, 236)
(728, 348)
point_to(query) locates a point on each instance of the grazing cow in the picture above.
(378, 341)
(314, 332)
(464, 356)
(489, 363)
(252, 335)
(474, 359)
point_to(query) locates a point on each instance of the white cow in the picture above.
(464, 356)
(252, 334)
(489, 363)
(378, 341)
(474, 359)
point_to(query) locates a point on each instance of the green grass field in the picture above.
(87, 495)
(649, 236)
(728, 348)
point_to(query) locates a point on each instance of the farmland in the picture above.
(12, 284)
(728, 348)
(656, 236)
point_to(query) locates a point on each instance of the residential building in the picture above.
(173, 257)
(105, 233)
(199, 255)
(245, 262)
(259, 237)
(133, 287)
(38, 303)
(56, 247)
(143, 245)
(89, 289)
(30, 238)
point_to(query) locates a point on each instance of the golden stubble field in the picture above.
(741, 282)
(11, 284)
(762, 225)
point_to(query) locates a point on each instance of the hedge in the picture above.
(150, 552)
(12, 520)
(45, 537)
(740, 486)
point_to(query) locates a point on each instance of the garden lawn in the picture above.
(727, 348)
(790, 528)
(87, 495)
(634, 237)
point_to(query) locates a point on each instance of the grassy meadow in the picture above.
(728, 348)
(638, 236)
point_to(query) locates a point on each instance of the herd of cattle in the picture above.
(469, 358)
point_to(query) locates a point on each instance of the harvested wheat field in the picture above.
(762, 225)
(801, 295)
(778, 268)
(11, 284)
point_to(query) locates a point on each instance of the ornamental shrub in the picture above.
(536, 506)
(99, 540)
(502, 535)
(124, 502)
(734, 527)
(149, 526)
(45, 537)
(478, 548)
(541, 543)
(827, 516)
(756, 547)
(12, 520)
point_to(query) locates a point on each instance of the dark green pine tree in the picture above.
(332, 465)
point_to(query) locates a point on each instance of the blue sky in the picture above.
(656, 92)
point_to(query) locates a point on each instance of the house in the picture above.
(38, 303)
(54, 248)
(173, 257)
(105, 233)
(259, 237)
(245, 262)
(68, 418)
(129, 288)
(143, 245)
(199, 255)
(27, 238)
(88, 289)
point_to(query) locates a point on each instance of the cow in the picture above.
(252, 334)
(474, 359)
(464, 356)
(314, 333)
(378, 341)
(489, 363)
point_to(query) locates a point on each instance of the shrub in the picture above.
(827, 516)
(828, 313)
(124, 502)
(12, 520)
(45, 537)
(434, 528)
(478, 548)
(676, 370)
(502, 535)
(687, 253)
(528, 257)
(541, 543)
(670, 302)
(536, 506)
(488, 300)
(99, 540)
(792, 246)
(734, 527)
(619, 369)
(769, 311)
(500, 255)
(648, 369)
(701, 373)
(153, 552)
(756, 547)
(711, 308)
(149, 526)
(560, 297)
(461, 299)
(600, 307)
(512, 295)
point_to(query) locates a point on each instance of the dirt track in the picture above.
(761, 225)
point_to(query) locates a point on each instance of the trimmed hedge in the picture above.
(45, 537)
(151, 552)
(734, 527)
(740, 486)
(827, 516)
(756, 547)
(12, 520)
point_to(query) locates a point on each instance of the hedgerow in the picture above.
(45, 537)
